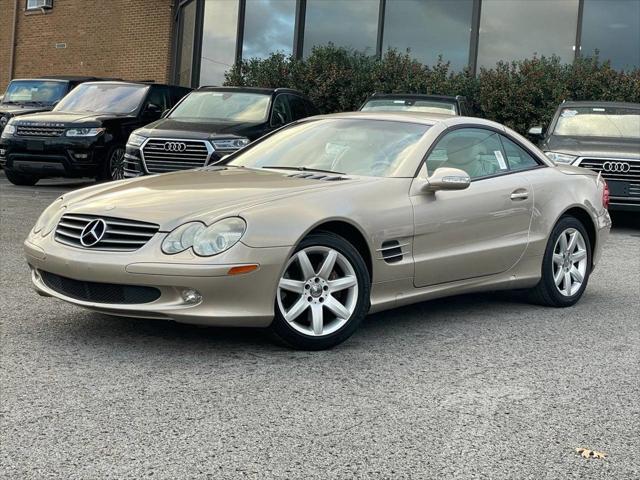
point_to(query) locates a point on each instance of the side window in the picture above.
(297, 107)
(281, 113)
(474, 150)
(158, 96)
(517, 157)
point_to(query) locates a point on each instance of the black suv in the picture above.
(85, 134)
(601, 136)
(210, 123)
(417, 102)
(31, 95)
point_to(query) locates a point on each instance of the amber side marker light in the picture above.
(242, 269)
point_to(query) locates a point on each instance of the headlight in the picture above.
(84, 132)
(230, 143)
(9, 130)
(136, 140)
(3, 121)
(49, 217)
(560, 157)
(205, 241)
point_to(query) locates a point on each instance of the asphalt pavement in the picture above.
(476, 386)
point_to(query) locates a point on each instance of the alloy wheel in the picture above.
(569, 262)
(318, 291)
(116, 164)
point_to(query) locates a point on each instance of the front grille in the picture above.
(163, 155)
(614, 169)
(99, 292)
(120, 235)
(35, 131)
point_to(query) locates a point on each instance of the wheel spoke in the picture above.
(328, 264)
(563, 242)
(558, 276)
(295, 311)
(573, 238)
(567, 283)
(338, 309)
(558, 259)
(342, 283)
(317, 320)
(305, 265)
(575, 273)
(295, 286)
(579, 255)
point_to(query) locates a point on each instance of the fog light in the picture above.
(81, 156)
(191, 296)
(3, 152)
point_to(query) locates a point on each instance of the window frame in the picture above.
(423, 163)
(44, 5)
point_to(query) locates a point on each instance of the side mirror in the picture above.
(278, 120)
(152, 110)
(445, 178)
(165, 113)
(536, 131)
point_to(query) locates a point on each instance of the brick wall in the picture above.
(129, 39)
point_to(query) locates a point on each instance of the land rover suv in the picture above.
(85, 134)
(210, 123)
(600, 136)
(32, 95)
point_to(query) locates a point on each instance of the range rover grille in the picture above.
(111, 234)
(162, 155)
(614, 169)
(38, 131)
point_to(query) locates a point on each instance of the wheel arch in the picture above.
(585, 218)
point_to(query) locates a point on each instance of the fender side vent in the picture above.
(391, 251)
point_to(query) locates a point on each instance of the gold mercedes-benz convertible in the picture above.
(310, 228)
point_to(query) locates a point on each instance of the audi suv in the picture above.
(209, 124)
(85, 134)
(600, 136)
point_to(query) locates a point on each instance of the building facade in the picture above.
(193, 42)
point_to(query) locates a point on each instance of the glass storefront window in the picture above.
(613, 28)
(186, 28)
(429, 28)
(513, 30)
(268, 27)
(352, 24)
(219, 33)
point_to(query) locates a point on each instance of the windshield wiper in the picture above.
(302, 169)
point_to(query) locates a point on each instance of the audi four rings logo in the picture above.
(175, 146)
(620, 167)
(93, 232)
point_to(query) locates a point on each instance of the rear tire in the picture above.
(21, 179)
(323, 294)
(566, 265)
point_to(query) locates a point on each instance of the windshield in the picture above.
(349, 146)
(228, 106)
(409, 105)
(619, 122)
(35, 91)
(103, 98)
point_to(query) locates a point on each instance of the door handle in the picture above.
(520, 195)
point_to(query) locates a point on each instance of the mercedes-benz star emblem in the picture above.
(93, 232)
(618, 167)
(175, 146)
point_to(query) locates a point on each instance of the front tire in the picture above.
(113, 168)
(323, 294)
(21, 179)
(566, 265)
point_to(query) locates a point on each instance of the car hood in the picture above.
(68, 119)
(170, 128)
(600, 147)
(14, 110)
(204, 194)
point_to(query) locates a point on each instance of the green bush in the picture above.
(518, 94)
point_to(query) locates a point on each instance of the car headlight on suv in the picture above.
(47, 221)
(3, 121)
(560, 157)
(84, 132)
(9, 129)
(136, 140)
(205, 241)
(230, 143)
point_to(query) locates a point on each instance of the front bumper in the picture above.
(245, 300)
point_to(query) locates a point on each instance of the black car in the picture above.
(32, 95)
(210, 123)
(601, 136)
(416, 102)
(85, 134)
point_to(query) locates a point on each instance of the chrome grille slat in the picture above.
(120, 235)
(157, 159)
